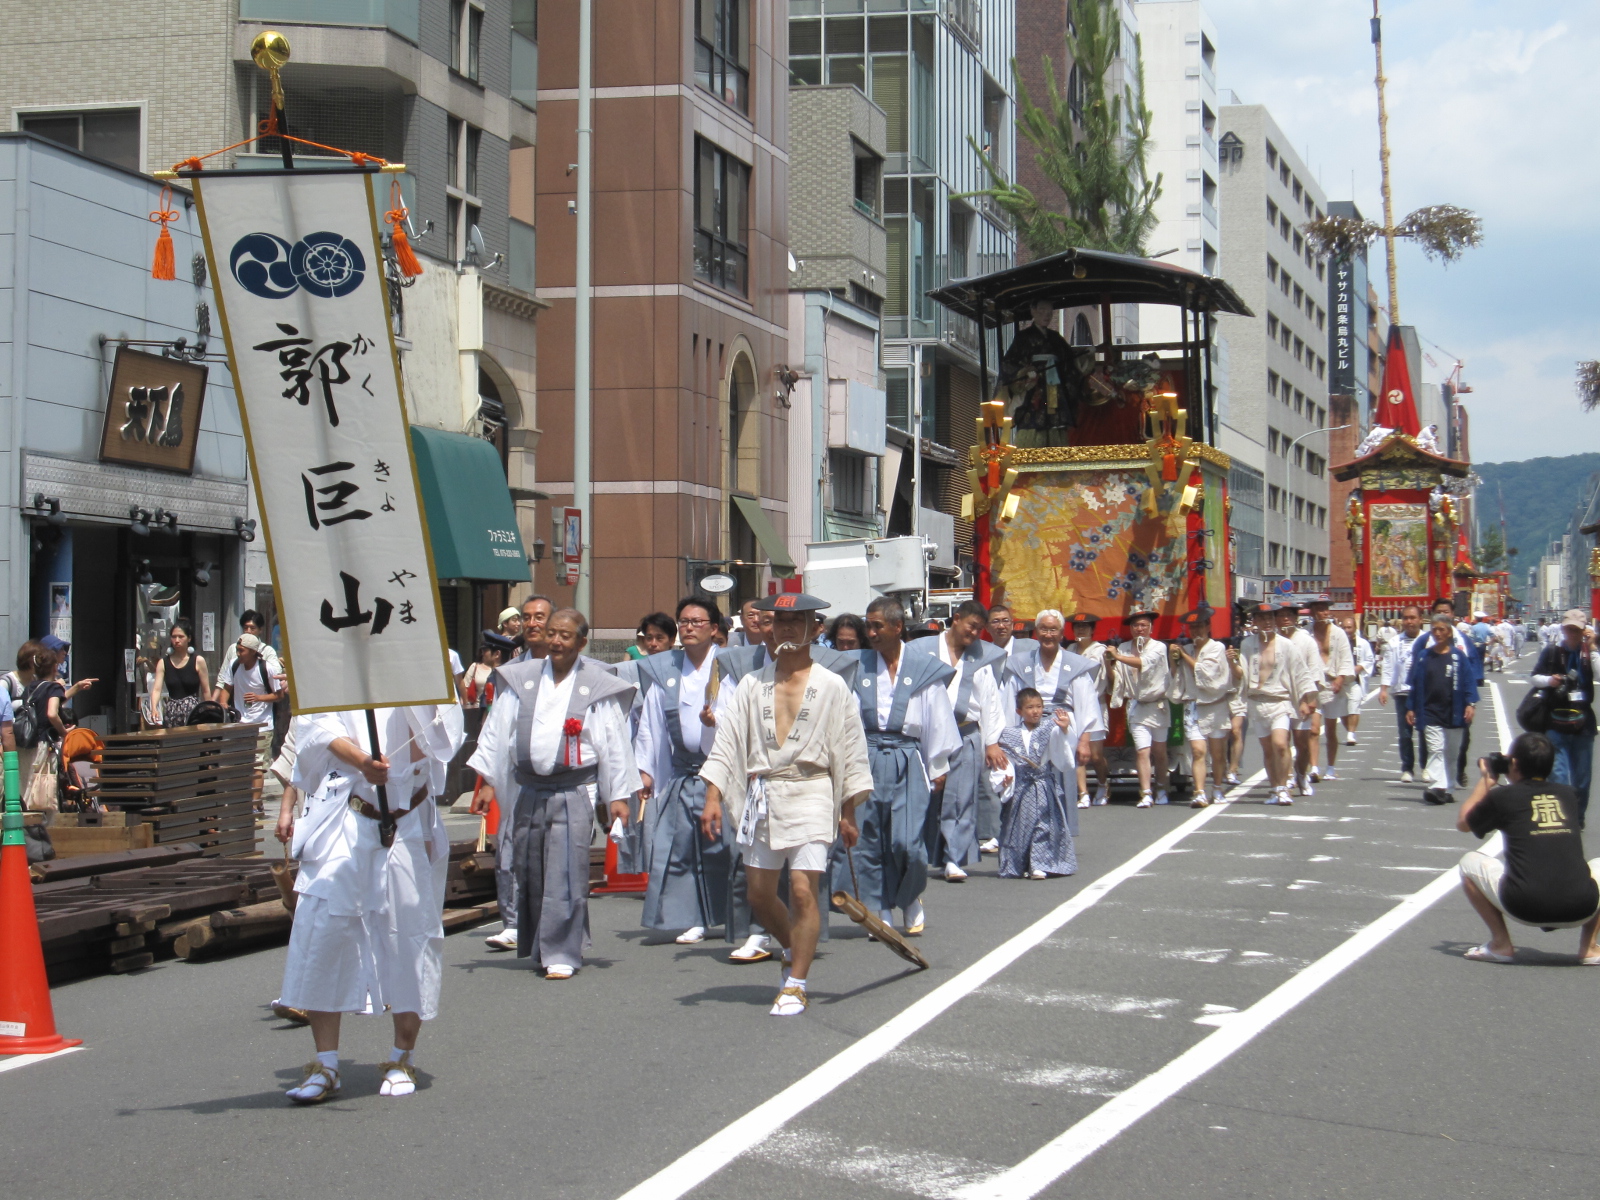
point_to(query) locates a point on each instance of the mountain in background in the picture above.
(1539, 495)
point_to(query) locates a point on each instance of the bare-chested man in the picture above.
(790, 763)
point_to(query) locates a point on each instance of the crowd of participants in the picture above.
(750, 764)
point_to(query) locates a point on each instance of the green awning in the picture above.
(472, 521)
(777, 553)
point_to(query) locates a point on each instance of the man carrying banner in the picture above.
(367, 935)
(789, 763)
(556, 746)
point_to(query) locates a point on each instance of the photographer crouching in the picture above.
(1532, 868)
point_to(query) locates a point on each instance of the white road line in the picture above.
(717, 1151)
(13, 1061)
(1042, 1168)
(1500, 719)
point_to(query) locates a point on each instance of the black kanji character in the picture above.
(337, 495)
(353, 616)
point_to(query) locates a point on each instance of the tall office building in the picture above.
(1179, 44)
(691, 391)
(941, 74)
(1277, 409)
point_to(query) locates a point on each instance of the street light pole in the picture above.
(1288, 526)
(582, 318)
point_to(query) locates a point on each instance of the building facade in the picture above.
(446, 86)
(690, 399)
(942, 76)
(837, 415)
(107, 534)
(1278, 416)
(1179, 44)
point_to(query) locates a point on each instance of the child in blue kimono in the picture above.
(1035, 841)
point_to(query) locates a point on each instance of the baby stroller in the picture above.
(80, 771)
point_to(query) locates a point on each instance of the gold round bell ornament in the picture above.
(270, 50)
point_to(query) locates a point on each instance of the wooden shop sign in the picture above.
(153, 411)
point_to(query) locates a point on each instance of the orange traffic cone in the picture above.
(27, 1021)
(616, 882)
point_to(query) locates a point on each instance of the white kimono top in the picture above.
(342, 859)
(1274, 670)
(929, 718)
(652, 748)
(983, 705)
(1148, 683)
(604, 742)
(1211, 678)
(822, 764)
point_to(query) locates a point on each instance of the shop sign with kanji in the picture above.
(304, 306)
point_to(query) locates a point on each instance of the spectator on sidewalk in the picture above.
(1394, 678)
(1571, 659)
(182, 680)
(1531, 867)
(1444, 695)
(251, 688)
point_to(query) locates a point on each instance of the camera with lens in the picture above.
(1499, 764)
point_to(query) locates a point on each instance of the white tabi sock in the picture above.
(396, 1081)
(318, 1085)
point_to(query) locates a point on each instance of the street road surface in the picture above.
(1243, 1001)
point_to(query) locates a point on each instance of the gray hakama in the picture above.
(1034, 833)
(952, 828)
(891, 858)
(688, 873)
(554, 810)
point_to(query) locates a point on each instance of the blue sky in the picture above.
(1493, 106)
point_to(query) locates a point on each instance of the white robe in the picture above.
(983, 704)
(822, 764)
(367, 932)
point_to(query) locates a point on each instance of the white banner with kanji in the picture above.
(299, 279)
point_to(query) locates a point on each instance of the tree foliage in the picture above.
(1091, 143)
(1589, 385)
(1441, 231)
(1493, 553)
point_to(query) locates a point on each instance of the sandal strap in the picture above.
(403, 1065)
(312, 1069)
(795, 993)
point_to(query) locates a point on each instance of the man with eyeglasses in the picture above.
(688, 885)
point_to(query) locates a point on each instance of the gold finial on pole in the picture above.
(270, 50)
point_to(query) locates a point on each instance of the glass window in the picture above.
(525, 18)
(452, 152)
(109, 134)
(848, 475)
(469, 182)
(474, 42)
(722, 50)
(721, 201)
(458, 14)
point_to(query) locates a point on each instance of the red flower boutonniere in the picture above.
(571, 749)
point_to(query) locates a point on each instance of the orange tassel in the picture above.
(404, 256)
(165, 263)
(1169, 468)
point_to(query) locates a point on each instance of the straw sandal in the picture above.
(319, 1076)
(788, 998)
(403, 1065)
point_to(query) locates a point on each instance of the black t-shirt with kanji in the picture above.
(1547, 879)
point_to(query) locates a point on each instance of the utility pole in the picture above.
(1383, 162)
(582, 468)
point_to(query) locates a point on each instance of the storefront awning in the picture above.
(760, 525)
(472, 522)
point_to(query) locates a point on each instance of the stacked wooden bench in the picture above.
(190, 783)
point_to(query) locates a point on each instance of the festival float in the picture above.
(1096, 483)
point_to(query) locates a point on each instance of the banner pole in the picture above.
(385, 821)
